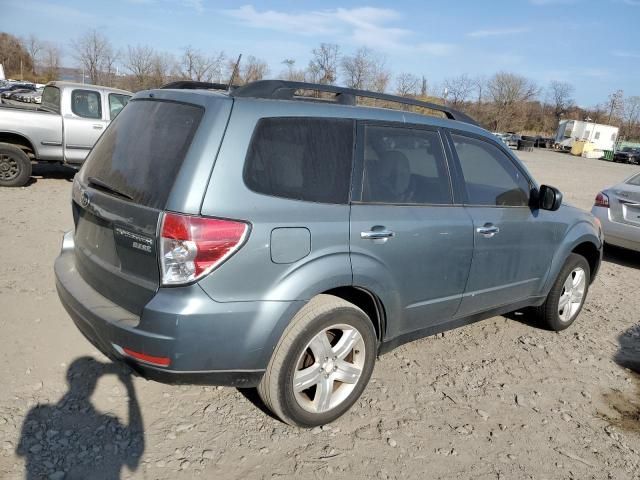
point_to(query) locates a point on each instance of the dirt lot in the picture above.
(497, 399)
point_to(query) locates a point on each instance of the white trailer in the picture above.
(602, 136)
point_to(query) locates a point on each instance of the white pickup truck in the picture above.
(62, 130)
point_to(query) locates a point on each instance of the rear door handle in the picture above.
(97, 126)
(488, 230)
(377, 234)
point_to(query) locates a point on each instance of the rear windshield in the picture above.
(141, 152)
(635, 180)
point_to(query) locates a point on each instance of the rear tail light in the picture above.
(602, 200)
(191, 246)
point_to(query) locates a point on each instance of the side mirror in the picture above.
(549, 198)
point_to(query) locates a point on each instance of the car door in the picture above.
(513, 243)
(83, 124)
(410, 243)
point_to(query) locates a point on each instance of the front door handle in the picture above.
(377, 234)
(488, 230)
(97, 126)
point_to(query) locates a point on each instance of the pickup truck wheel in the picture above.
(15, 166)
(321, 364)
(567, 296)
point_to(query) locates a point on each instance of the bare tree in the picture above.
(323, 66)
(631, 115)
(508, 88)
(423, 87)
(14, 56)
(365, 70)
(292, 73)
(35, 48)
(162, 67)
(509, 93)
(560, 97)
(407, 84)
(139, 61)
(50, 61)
(458, 89)
(615, 104)
(201, 68)
(253, 69)
(94, 53)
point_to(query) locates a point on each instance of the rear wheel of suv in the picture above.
(567, 296)
(322, 363)
(15, 166)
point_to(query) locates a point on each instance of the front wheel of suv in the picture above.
(322, 363)
(567, 296)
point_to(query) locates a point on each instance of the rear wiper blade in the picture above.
(95, 182)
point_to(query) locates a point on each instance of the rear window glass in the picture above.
(301, 158)
(142, 151)
(635, 180)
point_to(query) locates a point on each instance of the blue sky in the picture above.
(593, 44)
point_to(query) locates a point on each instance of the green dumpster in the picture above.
(608, 155)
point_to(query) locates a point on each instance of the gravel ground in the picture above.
(496, 399)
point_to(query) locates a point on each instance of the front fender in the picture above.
(581, 232)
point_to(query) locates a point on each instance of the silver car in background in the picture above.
(618, 209)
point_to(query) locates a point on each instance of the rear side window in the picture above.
(117, 103)
(404, 166)
(86, 104)
(51, 99)
(301, 158)
(490, 177)
(141, 152)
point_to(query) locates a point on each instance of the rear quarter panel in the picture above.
(42, 129)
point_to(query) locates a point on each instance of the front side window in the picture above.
(301, 158)
(117, 103)
(490, 177)
(404, 166)
(86, 104)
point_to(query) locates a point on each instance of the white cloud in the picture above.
(625, 54)
(498, 32)
(364, 26)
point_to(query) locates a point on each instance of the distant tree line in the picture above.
(504, 101)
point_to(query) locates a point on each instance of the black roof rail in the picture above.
(194, 85)
(286, 90)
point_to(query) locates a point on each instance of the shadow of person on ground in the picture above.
(72, 440)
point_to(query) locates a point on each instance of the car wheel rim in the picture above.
(329, 368)
(572, 294)
(9, 168)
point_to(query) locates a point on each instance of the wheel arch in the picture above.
(20, 141)
(583, 240)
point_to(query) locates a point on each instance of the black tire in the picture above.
(277, 388)
(15, 166)
(548, 313)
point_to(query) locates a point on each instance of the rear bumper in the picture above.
(616, 233)
(203, 341)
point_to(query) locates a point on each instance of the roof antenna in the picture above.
(234, 73)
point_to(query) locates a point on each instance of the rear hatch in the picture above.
(624, 201)
(120, 193)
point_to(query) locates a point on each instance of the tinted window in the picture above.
(142, 150)
(86, 104)
(405, 166)
(51, 99)
(491, 178)
(117, 103)
(301, 158)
